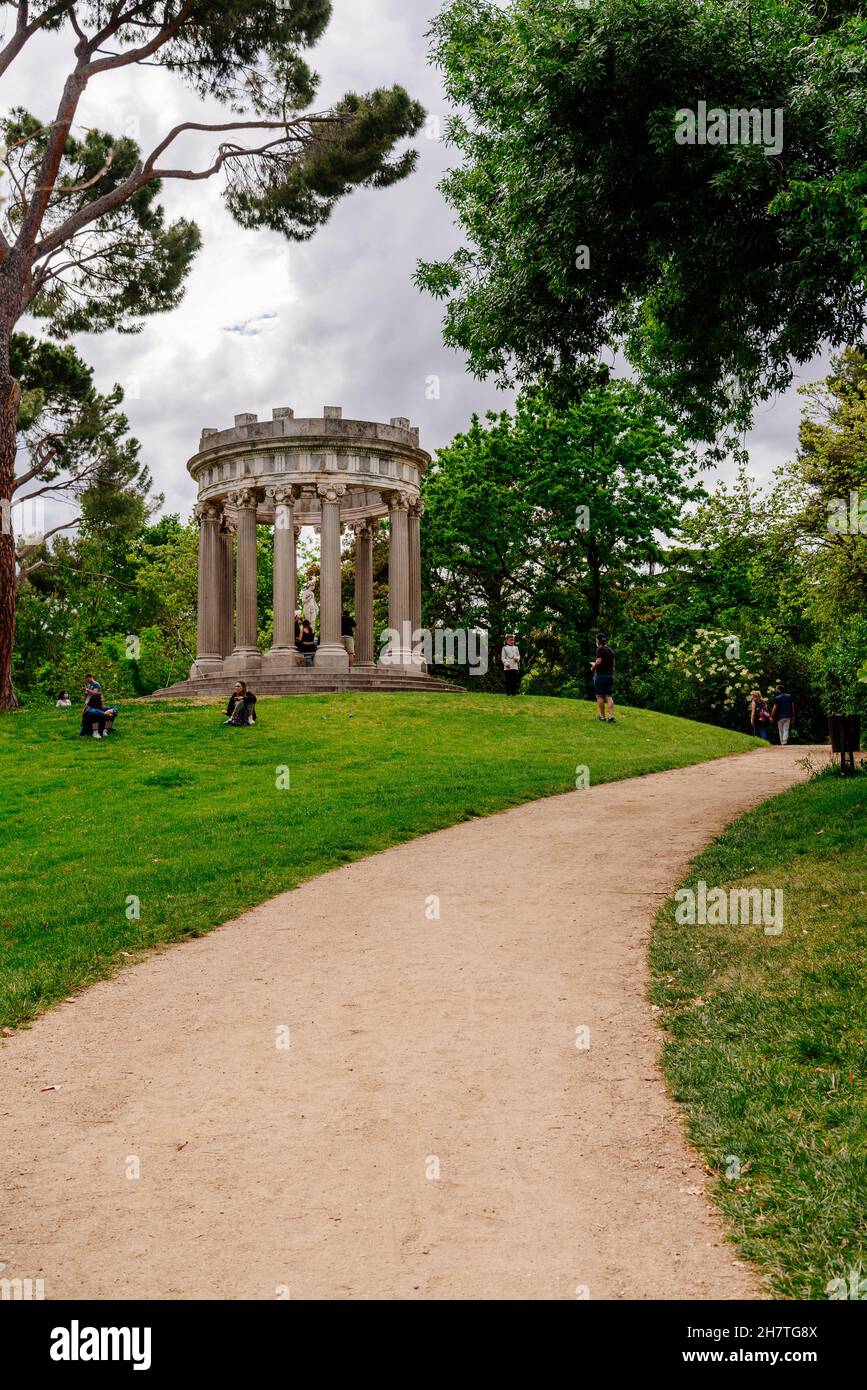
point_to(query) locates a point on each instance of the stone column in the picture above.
(331, 655)
(414, 561)
(364, 596)
(209, 658)
(227, 588)
(399, 653)
(245, 659)
(279, 659)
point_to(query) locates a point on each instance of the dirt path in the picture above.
(416, 1046)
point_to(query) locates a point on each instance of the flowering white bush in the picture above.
(712, 664)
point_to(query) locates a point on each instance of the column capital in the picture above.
(245, 498)
(368, 527)
(331, 492)
(397, 501)
(416, 507)
(207, 511)
(281, 496)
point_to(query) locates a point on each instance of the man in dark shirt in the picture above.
(603, 678)
(783, 711)
(347, 633)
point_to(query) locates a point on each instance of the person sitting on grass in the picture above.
(241, 709)
(97, 718)
(63, 701)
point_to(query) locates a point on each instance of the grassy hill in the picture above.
(189, 822)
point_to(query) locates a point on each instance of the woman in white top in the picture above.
(511, 659)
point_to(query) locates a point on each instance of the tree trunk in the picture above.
(596, 595)
(9, 397)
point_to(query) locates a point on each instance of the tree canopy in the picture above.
(713, 266)
(539, 522)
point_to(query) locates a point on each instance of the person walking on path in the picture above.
(759, 717)
(783, 711)
(511, 659)
(603, 678)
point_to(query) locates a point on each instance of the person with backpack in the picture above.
(783, 712)
(759, 716)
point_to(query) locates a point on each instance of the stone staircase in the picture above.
(307, 681)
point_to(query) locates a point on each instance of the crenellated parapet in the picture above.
(368, 460)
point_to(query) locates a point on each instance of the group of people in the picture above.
(602, 670)
(97, 718)
(305, 637)
(778, 709)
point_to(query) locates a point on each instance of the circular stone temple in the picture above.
(328, 473)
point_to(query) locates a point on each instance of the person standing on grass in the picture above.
(759, 717)
(511, 659)
(783, 711)
(603, 678)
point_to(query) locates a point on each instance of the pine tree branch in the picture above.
(147, 173)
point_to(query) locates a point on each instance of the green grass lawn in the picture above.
(768, 1036)
(185, 815)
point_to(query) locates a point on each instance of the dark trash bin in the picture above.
(845, 731)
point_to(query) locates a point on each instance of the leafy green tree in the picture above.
(84, 243)
(539, 522)
(164, 563)
(832, 463)
(830, 525)
(713, 265)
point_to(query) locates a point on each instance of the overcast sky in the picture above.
(336, 321)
